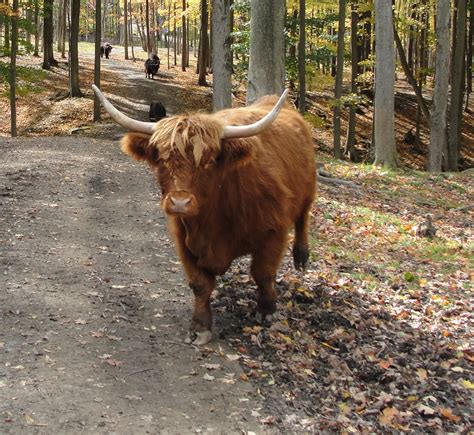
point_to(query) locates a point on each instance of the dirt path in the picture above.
(133, 93)
(94, 306)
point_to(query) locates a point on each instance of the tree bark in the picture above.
(222, 57)
(438, 128)
(384, 125)
(74, 89)
(147, 26)
(13, 51)
(302, 58)
(470, 43)
(457, 75)
(338, 85)
(98, 35)
(350, 149)
(36, 52)
(125, 21)
(48, 57)
(184, 51)
(266, 74)
(203, 45)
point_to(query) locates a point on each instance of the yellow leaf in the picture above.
(446, 413)
(252, 330)
(422, 374)
(387, 416)
(468, 384)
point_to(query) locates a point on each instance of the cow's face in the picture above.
(190, 159)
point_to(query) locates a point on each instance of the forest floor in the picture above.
(376, 336)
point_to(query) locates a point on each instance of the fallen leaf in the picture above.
(207, 377)
(212, 366)
(385, 364)
(387, 416)
(268, 420)
(105, 356)
(232, 356)
(425, 410)
(422, 374)
(447, 413)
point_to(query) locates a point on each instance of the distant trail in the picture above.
(134, 93)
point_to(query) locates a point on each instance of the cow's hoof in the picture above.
(264, 318)
(300, 257)
(198, 338)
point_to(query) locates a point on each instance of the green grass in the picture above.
(29, 80)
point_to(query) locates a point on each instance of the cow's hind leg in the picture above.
(300, 244)
(265, 263)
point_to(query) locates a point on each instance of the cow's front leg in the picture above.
(202, 285)
(265, 263)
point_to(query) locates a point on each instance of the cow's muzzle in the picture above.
(180, 203)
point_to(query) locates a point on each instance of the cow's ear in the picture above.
(235, 151)
(138, 146)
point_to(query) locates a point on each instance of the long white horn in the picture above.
(121, 119)
(235, 131)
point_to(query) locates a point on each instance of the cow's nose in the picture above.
(180, 203)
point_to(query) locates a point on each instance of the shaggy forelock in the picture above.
(198, 136)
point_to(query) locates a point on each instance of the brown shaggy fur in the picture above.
(244, 194)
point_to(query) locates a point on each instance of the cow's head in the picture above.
(191, 154)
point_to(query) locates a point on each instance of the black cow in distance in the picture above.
(152, 65)
(105, 48)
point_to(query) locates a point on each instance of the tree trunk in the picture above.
(338, 84)
(98, 34)
(175, 37)
(438, 128)
(13, 51)
(203, 45)
(37, 38)
(184, 51)
(130, 29)
(384, 126)
(147, 26)
(266, 74)
(222, 58)
(350, 149)
(457, 75)
(74, 89)
(168, 34)
(62, 12)
(125, 25)
(302, 58)
(48, 57)
(470, 43)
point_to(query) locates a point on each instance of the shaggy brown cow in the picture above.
(232, 184)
